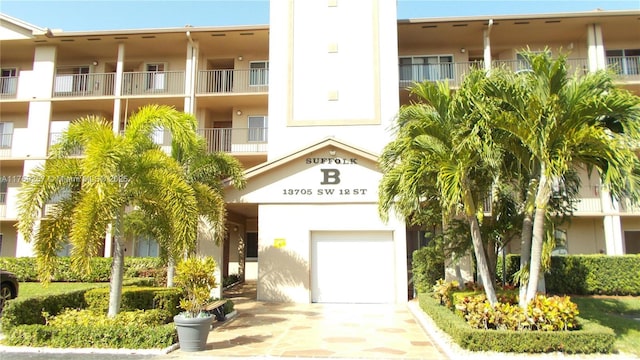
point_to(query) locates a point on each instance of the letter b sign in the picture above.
(330, 177)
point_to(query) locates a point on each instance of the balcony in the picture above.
(229, 81)
(574, 66)
(84, 85)
(145, 83)
(626, 67)
(8, 87)
(235, 140)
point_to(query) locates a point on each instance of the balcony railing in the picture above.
(8, 87)
(233, 81)
(153, 83)
(627, 67)
(454, 73)
(84, 85)
(235, 140)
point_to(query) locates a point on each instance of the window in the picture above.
(65, 250)
(259, 73)
(155, 76)
(3, 191)
(625, 61)
(252, 245)
(6, 134)
(72, 79)
(8, 81)
(257, 128)
(146, 247)
(561, 243)
(420, 68)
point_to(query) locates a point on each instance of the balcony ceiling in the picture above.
(162, 44)
(514, 32)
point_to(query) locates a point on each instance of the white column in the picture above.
(595, 46)
(486, 36)
(117, 104)
(191, 71)
(612, 225)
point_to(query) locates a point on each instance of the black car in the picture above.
(8, 287)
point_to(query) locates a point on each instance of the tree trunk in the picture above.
(171, 271)
(542, 200)
(525, 244)
(481, 260)
(117, 268)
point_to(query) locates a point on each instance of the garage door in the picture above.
(352, 267)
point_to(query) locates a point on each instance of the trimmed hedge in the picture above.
(101, 336)
(25, 268)
(133, 298)
(588, 274)
(591, 338)
(21, 311)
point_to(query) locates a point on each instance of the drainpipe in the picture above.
(487, 46)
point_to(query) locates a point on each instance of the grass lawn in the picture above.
(32, 289)
(618, 313)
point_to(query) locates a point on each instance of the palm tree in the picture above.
(559, 122)
(117, 172)
(439, 153)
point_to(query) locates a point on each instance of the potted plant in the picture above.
(196, 276)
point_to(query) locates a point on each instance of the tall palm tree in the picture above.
(559, 122)
(439, 153)
(117, 172)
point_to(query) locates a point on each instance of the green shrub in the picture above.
(134, 298)
(427, 266)
(26, 270)
(116, 336)
(589, 274)
(28, 311)
(591, 338)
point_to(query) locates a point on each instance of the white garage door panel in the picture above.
(353, 267)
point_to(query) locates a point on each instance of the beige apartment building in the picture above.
(306, 104)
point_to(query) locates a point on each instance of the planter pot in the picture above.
(193, 332)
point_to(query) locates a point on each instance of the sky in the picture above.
(80, 15)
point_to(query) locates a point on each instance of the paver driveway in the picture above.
(316, 330)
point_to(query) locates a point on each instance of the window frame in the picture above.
(257, 134)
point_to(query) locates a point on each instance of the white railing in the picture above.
(84, 85)
(153, 83)
(232, 81)
(235, 140)
(627, 67)
(454, 73)
(8, 87)
(574, 66)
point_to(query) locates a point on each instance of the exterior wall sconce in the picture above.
(239, 112)
(95, 63)
(463, 50)
(240, 58)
